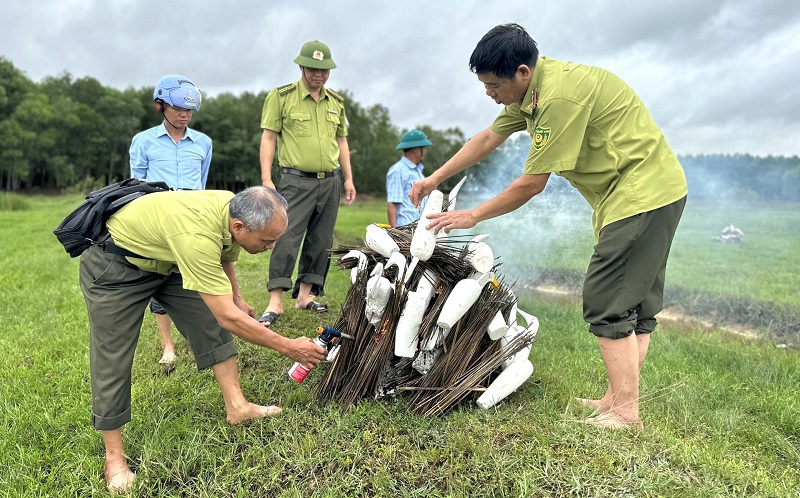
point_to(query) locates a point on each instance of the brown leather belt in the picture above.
(320, 175)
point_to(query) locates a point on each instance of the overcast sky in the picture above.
(718, 76)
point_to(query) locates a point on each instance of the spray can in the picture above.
(327, 335)
(299, 371)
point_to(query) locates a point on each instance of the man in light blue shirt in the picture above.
(182, 165)
(176, 155)
(404, 173)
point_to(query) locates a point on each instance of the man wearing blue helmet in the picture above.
(174, 154)
(404, 173)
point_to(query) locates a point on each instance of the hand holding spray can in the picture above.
(327, 336)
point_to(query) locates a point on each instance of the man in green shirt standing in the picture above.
(305, 121)
(188, 242)
(589, 127)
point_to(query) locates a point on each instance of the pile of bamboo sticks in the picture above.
(463, 361)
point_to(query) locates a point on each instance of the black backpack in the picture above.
(84, 226)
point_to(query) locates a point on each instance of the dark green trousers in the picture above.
(313, 207)
(116, 294)
(624, 286)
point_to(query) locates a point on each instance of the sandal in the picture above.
(317, 307)
(269, 318)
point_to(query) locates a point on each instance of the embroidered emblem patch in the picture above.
(318, 55)
(540, 137)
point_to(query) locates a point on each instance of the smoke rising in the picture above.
(743, 285)
(551, 230)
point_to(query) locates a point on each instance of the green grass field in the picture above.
(722, 413)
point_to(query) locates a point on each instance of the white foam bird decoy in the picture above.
(460, 300)
(406, 334)
(361, 266)
(380, 241)
(397, 259)
(451, 197)
(423, 241)
(479, 254)
(379, 290)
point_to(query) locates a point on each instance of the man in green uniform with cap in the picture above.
(402, 174)
(589, 127)
(305, 121)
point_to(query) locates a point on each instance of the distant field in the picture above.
(754, 284)
(766, 266)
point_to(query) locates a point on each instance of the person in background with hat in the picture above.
(305, 121)
(174, 154)
(404, 173)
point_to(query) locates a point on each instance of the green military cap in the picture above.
(316, 55)
(413, 138)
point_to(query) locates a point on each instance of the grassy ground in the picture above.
(722, 414)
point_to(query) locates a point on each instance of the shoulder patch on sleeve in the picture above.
(287, 89)
(335, 95)
(540, 137)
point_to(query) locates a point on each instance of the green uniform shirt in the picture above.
(307, 130)
(588, 126)
(185, 231)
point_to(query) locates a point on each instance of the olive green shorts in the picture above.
(624, 286)
(116, 294)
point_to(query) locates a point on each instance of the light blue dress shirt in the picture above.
(156, 158)
(398, 183)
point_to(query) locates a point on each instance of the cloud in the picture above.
(717, 75)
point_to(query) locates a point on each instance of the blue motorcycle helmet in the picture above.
(177, 91)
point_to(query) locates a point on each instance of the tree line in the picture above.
(714, 177)
(74, 134)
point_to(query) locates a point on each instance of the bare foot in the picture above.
(611, 420)
(599, 405)
(591, 403)
(251, 411)
(167, 357)
(119, 477)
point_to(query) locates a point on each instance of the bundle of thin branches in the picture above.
(479, 374)
(350, 322)
(374, 353)
(358, 369)
(447, 261)
(366, 366)
(462, 348)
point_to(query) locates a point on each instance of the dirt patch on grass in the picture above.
(676, 315)
(744, 318)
